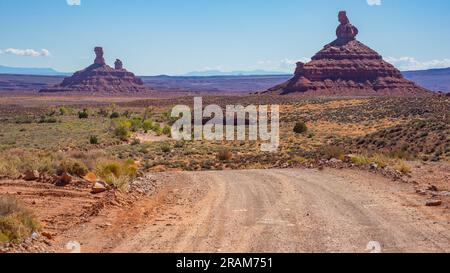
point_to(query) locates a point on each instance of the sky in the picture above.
(173, 37)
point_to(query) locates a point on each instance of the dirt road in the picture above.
(278, 211)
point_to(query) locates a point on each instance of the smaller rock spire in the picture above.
(345, 30)
(99, 56)
(118, 65)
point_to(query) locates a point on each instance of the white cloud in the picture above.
(284, 65)
(28, 52)
(410, 63)
(45, 52)
(374, 2)
(73, 2)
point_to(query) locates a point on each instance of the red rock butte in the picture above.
(101, 78)
(348, 67)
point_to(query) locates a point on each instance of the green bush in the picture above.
(157, 129)
(83, 114)
(167, 131)
(93, 140)
(114, 115)
(122, 133)
(147, 125)
(165, 148)
(300, 128)
(16, 221)
(136, 124)
(122, 128)
(64, 111)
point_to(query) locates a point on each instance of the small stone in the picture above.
(434, 203)
(99, 187)
(47, 235)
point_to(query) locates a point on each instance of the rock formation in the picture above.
(118, 65)
(101, 78)
(348, 67)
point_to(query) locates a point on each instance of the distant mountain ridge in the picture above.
(209, 73)
(32, 78)
(30, 71)
(434, 79)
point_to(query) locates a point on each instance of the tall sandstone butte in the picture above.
(101, 78)
(348, 67)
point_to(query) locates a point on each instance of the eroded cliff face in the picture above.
(101, 78)
(346, 67)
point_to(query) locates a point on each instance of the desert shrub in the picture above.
(14, 162)
(24, 119)
(89, 158)
(331, 151)
(300, 128)
(135, 142)
(360, 160)
(114, 115)
(122, 133)
(117, 173)
(46, 119)
(93, 140)
(122, 128)
(401, 153)
(16, 221)
(157, 129)
(167, 131)
(165, 148)
(136, 124)
(402, 167)
(147, 125)
(381, 160)
(83, 114)
(72, 167)
(64, 110)
(224, 155)
(298, 159)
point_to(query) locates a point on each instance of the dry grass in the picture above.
(16, 221)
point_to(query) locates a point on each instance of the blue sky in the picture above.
(177, 36)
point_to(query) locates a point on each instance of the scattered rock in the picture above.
(63, 180)
(47, 235)
(434, 203)
(99, 187)
(31, 175)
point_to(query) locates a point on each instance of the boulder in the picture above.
(433, 203)
(99, 187)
